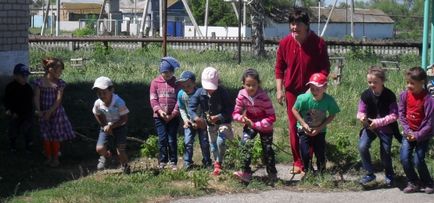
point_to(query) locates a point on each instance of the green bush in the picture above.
(150, 147)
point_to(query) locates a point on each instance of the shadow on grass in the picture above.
(23, 172)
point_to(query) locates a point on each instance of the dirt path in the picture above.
(382, 195)
(394, 195)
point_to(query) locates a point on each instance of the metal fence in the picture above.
(335, 47)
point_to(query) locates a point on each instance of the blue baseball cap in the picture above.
(21, 69)
(168, 64)
(186, 75)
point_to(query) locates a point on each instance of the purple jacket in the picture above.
(426, 128)
(162, 95)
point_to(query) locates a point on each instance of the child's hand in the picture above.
(214, 119)
(364, 121)
(248, 122)
(316, 131)
(371, 124)
(280, 97)
(200, 123)
(306, 128)
(410, 138)
(108, 129)
(187, 124)
(162, 114)
(46, 115)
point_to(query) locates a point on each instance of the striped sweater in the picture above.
(258, 108)
(162, 95)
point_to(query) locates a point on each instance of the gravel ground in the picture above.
(381, 195)
(392, 195)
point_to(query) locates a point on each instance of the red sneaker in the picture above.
(217, 168)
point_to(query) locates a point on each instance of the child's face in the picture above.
(167, 75)
(188, 86)
(375, 83)
(21, 79)
(251, 86)
(317, 92)
(105, 95)
(414, 85)
(55, 72)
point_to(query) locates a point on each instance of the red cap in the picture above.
(318, 79)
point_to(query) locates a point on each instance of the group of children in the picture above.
(208, 113)
(378, 111)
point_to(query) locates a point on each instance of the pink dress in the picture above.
(58, 127)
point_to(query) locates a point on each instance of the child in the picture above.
(18, 103)
(214, 101)
(163, 92)
(416, 116)
(187, 81)
(378, 112)
(310, 110)
(54, 124)
(111, 113)
(254, 109)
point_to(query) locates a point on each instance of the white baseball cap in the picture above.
(102, 83)
(210, 78)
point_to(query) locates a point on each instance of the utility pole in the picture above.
(164, 28)
(206, 18)
(240, 4)
(58, 18)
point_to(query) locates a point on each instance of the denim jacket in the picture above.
(216, 104)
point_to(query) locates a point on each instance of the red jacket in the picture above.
(295, 63)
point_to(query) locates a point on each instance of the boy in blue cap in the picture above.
(188, 89)
(18, 102)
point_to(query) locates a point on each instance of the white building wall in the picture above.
(189, 31)
(337, 30)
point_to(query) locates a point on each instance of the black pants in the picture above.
(20, 124)
(318, 144)
(248, 141)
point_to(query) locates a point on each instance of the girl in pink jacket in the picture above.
(255, 110)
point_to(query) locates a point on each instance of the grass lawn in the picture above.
(24, 178)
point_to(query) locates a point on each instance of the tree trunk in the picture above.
(257, 17)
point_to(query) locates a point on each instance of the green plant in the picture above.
(150, 147)
(200, 179)
(181, 147)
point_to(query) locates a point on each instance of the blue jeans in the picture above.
(318, 144)
(408, 161)
(217, 138)
(119, 137)
(167, 139)
(366, 138)
(189, 134)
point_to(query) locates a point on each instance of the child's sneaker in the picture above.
(243, 176)
(367, 179)
(101, 163)
(161, 166)
(47, 162)
(126, 168)
(429, 189)
(217, 169)
(272, 178)
(173, 166)
(388, 180)
(411, 188)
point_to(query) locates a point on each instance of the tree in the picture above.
(218, 12)
(257, 15)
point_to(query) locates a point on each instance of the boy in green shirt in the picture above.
(314, 110)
